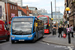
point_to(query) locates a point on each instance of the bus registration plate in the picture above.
(21, 40)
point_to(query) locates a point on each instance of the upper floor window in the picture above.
(11, 6)
(15, 8)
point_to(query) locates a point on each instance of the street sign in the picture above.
(12, 15)
(0, 11)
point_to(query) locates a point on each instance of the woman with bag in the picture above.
(68, 30)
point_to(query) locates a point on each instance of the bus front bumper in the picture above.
(22, 37)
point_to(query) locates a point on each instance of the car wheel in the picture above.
(8, 38)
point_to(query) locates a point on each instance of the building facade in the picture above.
(19, 2)
(34, 11)
(12, 10)
(71, 5)
(2, 11)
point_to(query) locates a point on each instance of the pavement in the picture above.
(59, 41)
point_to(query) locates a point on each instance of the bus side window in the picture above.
(40, 25)
(34, 28)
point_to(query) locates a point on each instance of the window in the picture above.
(11, 6)
(27, 13)
(15, 8)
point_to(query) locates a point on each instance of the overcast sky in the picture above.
(45, 4)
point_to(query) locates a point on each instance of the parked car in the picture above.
(4, 31)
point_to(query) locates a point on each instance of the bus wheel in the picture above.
(34, 40)
(42, 35)
(12, 41)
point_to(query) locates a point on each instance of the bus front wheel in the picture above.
(34, 40)
(12, 41)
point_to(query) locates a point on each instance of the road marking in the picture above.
(47, 43)
(70, 48)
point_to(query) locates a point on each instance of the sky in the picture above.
(45, 4)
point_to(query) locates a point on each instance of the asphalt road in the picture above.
(39, 45)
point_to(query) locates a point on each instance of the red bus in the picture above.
(47, 22)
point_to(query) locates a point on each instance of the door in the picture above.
(2, 32)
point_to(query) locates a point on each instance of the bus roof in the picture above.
(43, 16)
(1, 22)
(24, 17)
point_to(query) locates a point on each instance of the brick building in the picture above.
(71, 4)
(12, 10)
(25, 10)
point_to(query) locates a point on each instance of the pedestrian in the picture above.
(62, 28)
(65, 30)
(54, 29)
(74, 28)
(72, 35)
(60, 31)
(68, 30)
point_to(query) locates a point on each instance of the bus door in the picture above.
(36, 28)
(40, 28)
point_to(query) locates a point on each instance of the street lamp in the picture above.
(68, 9)
(7, 14)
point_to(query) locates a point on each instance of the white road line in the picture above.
(47, 43)
(70, 48)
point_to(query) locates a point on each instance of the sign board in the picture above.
(0, 11)
(12, 15)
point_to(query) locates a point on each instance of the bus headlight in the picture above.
(13, 36)
(29, 36)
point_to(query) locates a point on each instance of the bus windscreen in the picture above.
(22, 26)
(45, 19)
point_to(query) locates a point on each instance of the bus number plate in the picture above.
(21, 40)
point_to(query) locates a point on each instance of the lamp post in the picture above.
(55, 7)
(51, 16)
(68, 9)
(7, 14)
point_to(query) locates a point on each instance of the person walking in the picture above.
(60, 31)
(65, 30)
(68, 30)
(54, 29)
(72, 35)
(74, 28)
